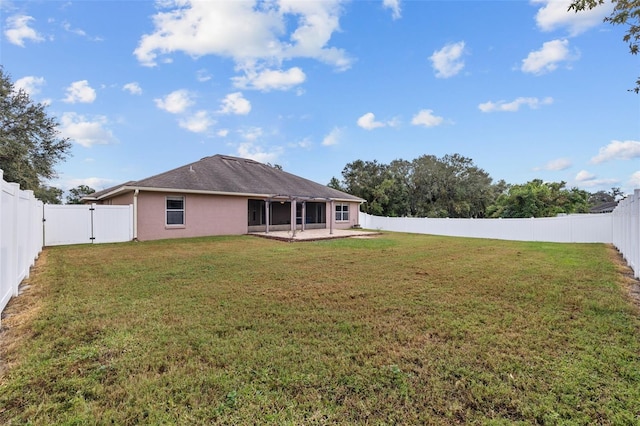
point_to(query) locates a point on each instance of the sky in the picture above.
(526, 89)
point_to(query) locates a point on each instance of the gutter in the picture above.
(126, 188)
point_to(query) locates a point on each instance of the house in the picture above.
(223, 195)
(607, 207)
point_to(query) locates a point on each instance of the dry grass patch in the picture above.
(400, 329)
(19, 315)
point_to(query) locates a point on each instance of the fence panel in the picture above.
(20, 237)
(67, 224)
(588, 228)
(626, 230)
(112, 224)
(86, 224)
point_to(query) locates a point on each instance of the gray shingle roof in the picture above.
(230, 175)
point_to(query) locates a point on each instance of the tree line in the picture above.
(453, 186)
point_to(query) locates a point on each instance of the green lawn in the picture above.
(398, 329)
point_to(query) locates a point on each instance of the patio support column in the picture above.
(267, 207)
(332, 216)
(304, 213)
(293, 216)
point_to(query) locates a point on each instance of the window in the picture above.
(342, 212)
(175, 210)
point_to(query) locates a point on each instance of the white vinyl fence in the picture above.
(622, 228)
(86, 224)
(584, 228)
(626, 230)
(20, 237)
(26, 225)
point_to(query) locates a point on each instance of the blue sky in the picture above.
(524, 88)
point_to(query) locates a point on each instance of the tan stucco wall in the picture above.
(204, 215)
(354, 208)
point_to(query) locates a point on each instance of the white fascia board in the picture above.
(126, 188)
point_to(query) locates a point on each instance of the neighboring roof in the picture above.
(222, 174)
(604, 207)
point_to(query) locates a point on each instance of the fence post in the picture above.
(635, 231)
(1, 236)
(14, 240)
(28, 237)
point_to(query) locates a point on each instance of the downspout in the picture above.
(135, 215)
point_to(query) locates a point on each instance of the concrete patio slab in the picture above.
(315, 234)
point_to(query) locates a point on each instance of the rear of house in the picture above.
(223, 195)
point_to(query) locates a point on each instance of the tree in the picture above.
(363, 179)
(48, 194)
(451, 186)
(428, 186)
(30, 145)
(76, 194)
(625, 12)
(335, 184)
(539, 199)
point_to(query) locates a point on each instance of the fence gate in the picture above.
(87, 224)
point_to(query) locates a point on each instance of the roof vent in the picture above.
(191, 169)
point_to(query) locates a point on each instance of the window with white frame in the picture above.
(175, 211)
(342, 212)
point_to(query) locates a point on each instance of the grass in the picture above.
(398, 329)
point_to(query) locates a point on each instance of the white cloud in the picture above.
(133, 88)
(253, 152)
(203, 75)
(199, 122)
(557, 165)
(30, 84)
(245, 31)
(222, 133)
(18, 30)
(548, 57)
(394, 5)
(618, 150)
(634, 180)
(426, 118)
(584, 176)
(446, 62)
(251, 134)
(270, 79)
(77, 31)
(235, 103)
(304, 143)
(514, 105)
(368, 122)
(84, 131)
(175, 102)
(555, 14)
(333, 138)
(80, 91)
(589, 180)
